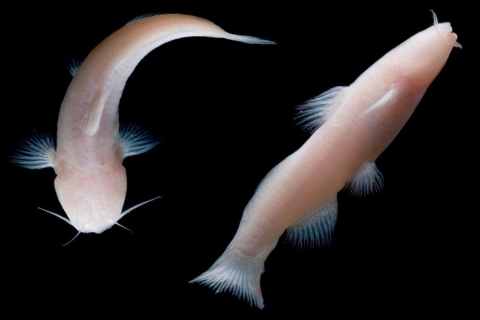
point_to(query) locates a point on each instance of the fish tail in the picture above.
(235, 273)
(248, 39)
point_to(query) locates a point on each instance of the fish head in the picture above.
(423, 56)
(92, 199)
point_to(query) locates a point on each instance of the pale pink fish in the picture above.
(352, 126)
(91, 181)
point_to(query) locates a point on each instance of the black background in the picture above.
(224, 111)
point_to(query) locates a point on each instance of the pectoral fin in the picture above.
(313, 113)
(36, 152)
(369, 179)
(135, 140)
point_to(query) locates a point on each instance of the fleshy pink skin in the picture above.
(91, 181)
(361, 122)
(355, 132)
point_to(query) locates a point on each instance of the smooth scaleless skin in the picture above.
(359, 122)
(91, 181)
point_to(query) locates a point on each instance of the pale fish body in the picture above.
(352, 126)
(91, 181)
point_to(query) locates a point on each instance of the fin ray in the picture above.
(73, 66)
(235, 273)
(134, 140)
(368, 180)
(248, 39)
(141, 17)
(313, 113)
(36, 152)
(317, 228)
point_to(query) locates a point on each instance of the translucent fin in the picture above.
(73, 67)
(134, 140)
(235, 273)
(317, 229)
(313, 113)
(36, 152)
(141, 17)
(248, 39)
(369, 179)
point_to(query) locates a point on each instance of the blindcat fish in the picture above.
(351, 127)
(91, 181)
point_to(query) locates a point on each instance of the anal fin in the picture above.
(317, 228)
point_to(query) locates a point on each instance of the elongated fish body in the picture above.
(91, 181)
(352, 126)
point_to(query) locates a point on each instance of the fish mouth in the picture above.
(447, 28)
(456, 44)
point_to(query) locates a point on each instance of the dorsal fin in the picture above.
(95, 113)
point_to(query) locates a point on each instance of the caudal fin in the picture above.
(235, 273)
(248, 39)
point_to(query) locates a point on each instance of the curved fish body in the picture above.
(91, 181)
(351, 127)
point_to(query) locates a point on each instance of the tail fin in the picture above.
(248, 39)
(235, 273)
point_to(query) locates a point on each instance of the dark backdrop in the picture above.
(224, 111)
